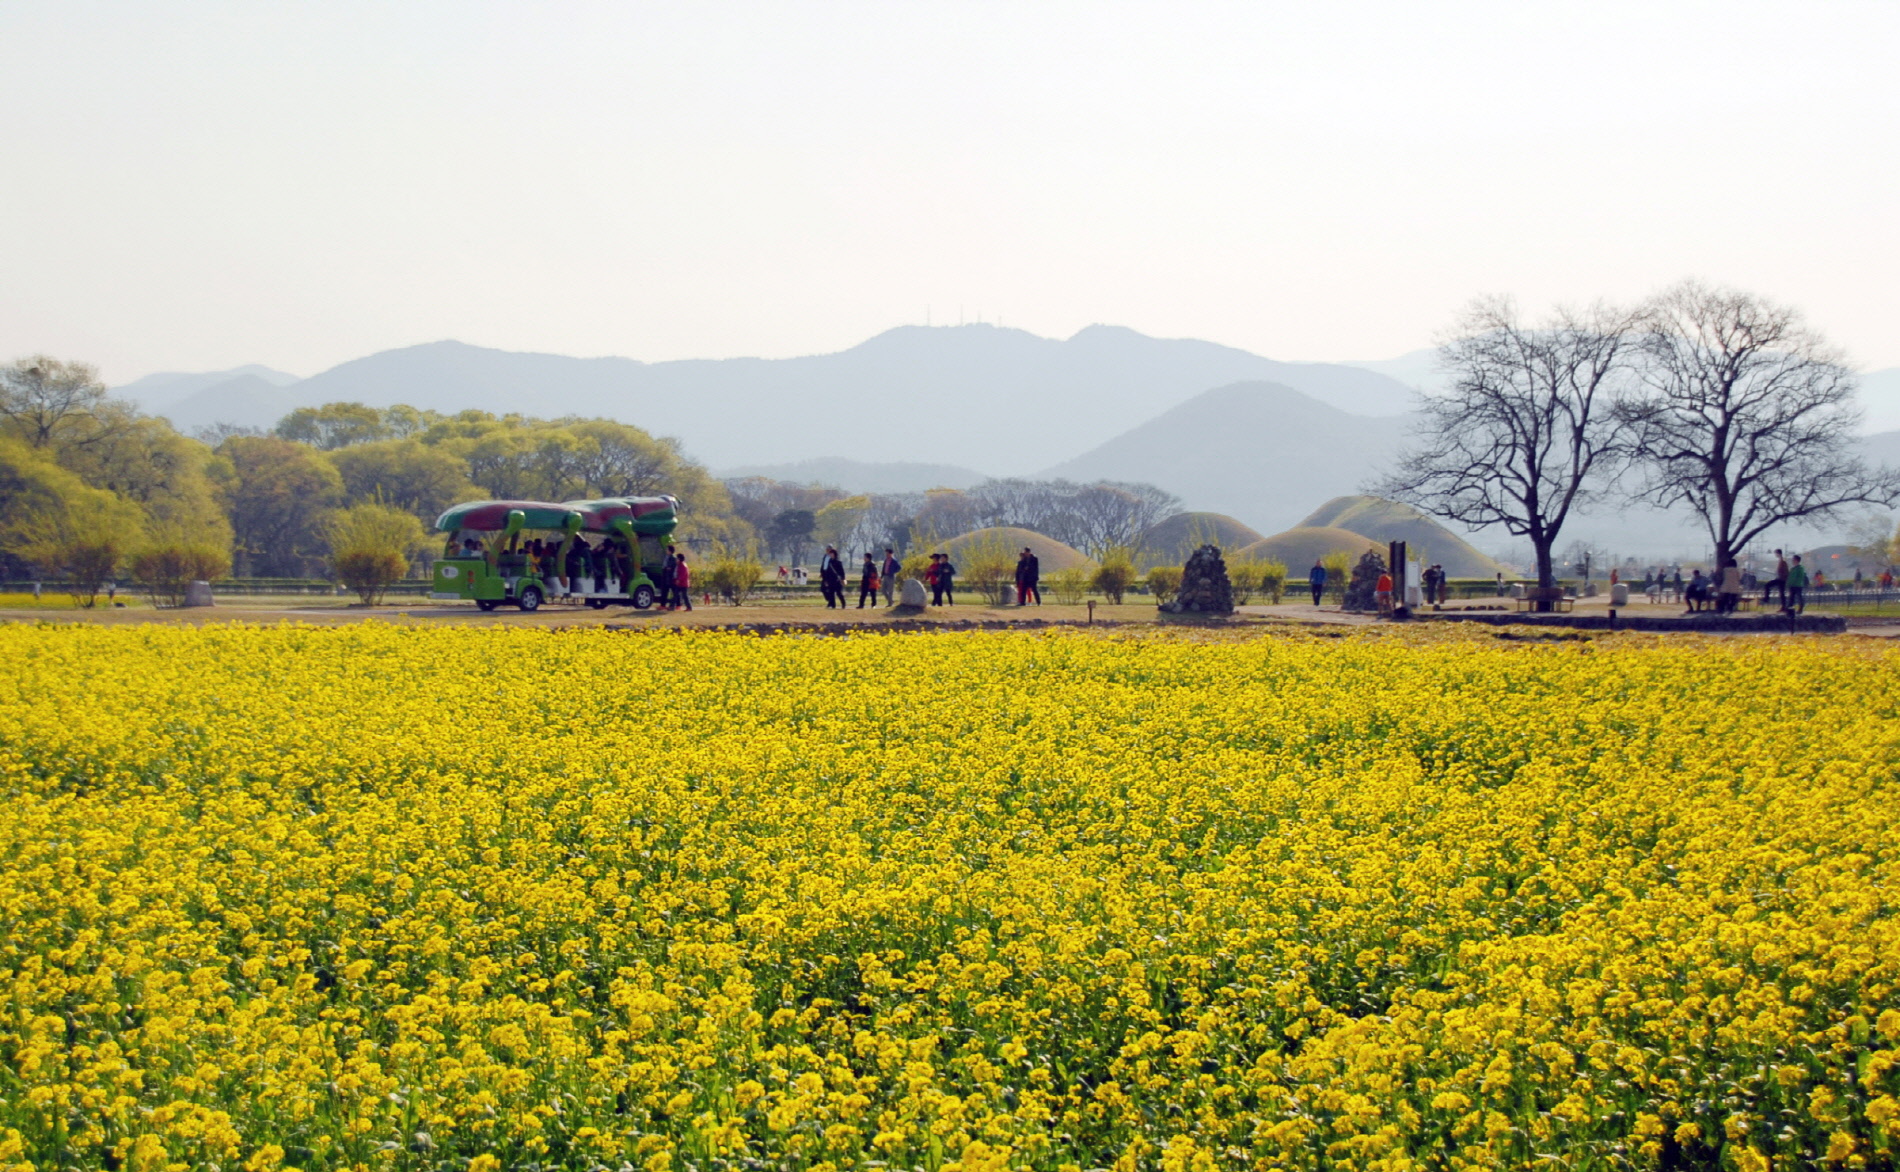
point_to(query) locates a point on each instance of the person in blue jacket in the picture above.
(1316, 578)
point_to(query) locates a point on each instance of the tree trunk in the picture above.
(1546, 575)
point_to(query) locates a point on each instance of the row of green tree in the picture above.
(91, 488)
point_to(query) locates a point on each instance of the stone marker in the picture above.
(1009, 596)
(1620, 594)
(1205, 588)
(911, 593)
(199, 594)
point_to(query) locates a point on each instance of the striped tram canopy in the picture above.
(655, 515)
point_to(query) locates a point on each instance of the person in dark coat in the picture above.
(943, 588)
(1028, 578)
(887, 574)
(831, 578)
(669, 574)
(1316, 580)
(867, 582)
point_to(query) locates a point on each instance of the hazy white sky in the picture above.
(196, 185)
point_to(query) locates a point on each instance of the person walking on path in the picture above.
(867, 582)
(887, 574)
(669, 574)
(1382, 594)
(831, 578)
(682, 583)
(1795, 597)
(1316, 581)
(1028, 578)
(943, 586)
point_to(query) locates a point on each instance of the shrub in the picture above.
(735, 574)
(1272, 572)
(987, 567)
(1164, 582)
(1115, 574)
(1069, 586)
(1338, 565)
(370, 546)
(1243, 578)
(165, 568)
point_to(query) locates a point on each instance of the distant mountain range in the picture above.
(997, 400)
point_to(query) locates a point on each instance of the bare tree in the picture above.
(1750, 417)
(1529, 430)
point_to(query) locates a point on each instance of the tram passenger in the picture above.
(597, 562)
(576, 564)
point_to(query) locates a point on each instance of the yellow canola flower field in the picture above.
(404, 898)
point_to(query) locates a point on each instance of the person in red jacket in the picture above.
(682, 583)
(1382, 593)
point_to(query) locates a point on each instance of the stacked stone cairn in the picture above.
(1205, 588)
(1362, 589)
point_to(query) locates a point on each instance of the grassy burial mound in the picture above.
(1300, 548)
(1053, 554)
(1170, 541)
(1383, 520)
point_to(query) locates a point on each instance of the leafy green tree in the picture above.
(790, 532)
(277, 494)
(166, 474)
(370, 547)
(334, 425)
(406, 473)
(53, 523)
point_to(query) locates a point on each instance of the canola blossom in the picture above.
(407, 898)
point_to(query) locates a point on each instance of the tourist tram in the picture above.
(601, 552)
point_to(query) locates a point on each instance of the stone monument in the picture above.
(199, 594)
(1205, 588)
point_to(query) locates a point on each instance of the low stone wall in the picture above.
(1719, 624)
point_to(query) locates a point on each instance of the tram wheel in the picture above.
(642, 597)
(530, 599)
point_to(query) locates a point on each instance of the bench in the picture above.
(1535, 596)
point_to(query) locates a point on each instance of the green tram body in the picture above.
(635, 528)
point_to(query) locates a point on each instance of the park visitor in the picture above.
(1795, 598)
(1779, 582)
(1316, 581)
(1028, 577)
(1382, 593)
(669, 573)
(888, 575)
(1728, 591)
(1698, 592)
(831, 578)
(682, 584)
(576, 565)
(867, 582)
(943, 585)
